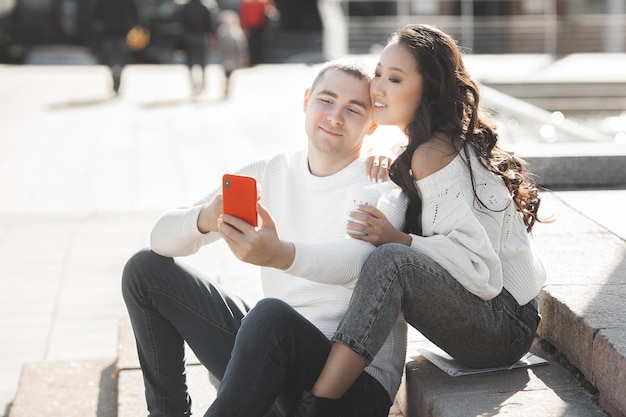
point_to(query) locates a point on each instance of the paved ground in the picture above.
(84, 175)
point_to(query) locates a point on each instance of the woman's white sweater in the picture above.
(482, 242)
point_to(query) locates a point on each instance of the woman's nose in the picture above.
(375, 87)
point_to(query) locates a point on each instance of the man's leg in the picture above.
(277, 354)
(169, 304)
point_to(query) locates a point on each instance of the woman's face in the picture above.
(397, 86)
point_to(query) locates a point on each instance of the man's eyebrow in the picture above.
(356, 102)
(327, 93)
(359, 103)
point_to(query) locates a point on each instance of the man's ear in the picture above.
(307, 96)
(372, 128)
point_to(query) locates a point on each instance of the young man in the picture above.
(306, 262)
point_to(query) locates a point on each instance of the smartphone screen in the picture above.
(239, 197)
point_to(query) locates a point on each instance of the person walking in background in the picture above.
(198, 18)
(255, 16)
(113, 19)
(231, 45)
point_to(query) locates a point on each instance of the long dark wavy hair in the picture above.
(450, 106)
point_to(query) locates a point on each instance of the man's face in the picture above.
(338, 115)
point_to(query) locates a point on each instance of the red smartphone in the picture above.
(239, 197)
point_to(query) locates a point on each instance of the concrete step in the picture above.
(100, 388)
(592, 164)
(564, 89)
(546, 391)
(583, 302)
(568, 97)
(67, 389)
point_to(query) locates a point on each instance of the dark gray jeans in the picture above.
(397, 279)
(264, 357)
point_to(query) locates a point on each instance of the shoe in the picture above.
(311, 406)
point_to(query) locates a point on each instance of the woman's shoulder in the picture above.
(432, 156)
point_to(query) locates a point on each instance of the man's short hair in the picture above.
(353, 67)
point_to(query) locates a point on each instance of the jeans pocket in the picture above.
(523, 330)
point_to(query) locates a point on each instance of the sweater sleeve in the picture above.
(176, 231)
(340, 261)
(332, 262)
(459, 243)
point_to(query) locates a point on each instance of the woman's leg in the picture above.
(334, 380)
(395, 279)
(169, 304)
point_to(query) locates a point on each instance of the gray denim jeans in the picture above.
(397, 279)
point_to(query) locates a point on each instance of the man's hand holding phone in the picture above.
(238, 198)
(238, 225)
(258, 246)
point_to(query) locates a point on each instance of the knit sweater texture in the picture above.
(481, 239)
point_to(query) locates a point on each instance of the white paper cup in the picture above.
(361, 197)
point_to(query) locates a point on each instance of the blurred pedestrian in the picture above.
(198, 21)
(255, 17)
(232, 45)
(113, 19)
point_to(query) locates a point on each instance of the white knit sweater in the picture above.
(311, 212)
(484, 248)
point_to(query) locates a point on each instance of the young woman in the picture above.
(463, 272)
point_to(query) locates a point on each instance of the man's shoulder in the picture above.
(283, 161)
(288, 156)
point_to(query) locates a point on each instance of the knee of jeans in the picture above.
(135, 264)
(271, 307)
(387, 252)
(270, 314)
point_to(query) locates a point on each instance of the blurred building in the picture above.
(308, 29)
(497, 26)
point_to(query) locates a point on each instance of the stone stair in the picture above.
(106, 388)
(568, 97)
(582, 335)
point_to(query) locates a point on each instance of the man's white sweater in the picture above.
(312, 213)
